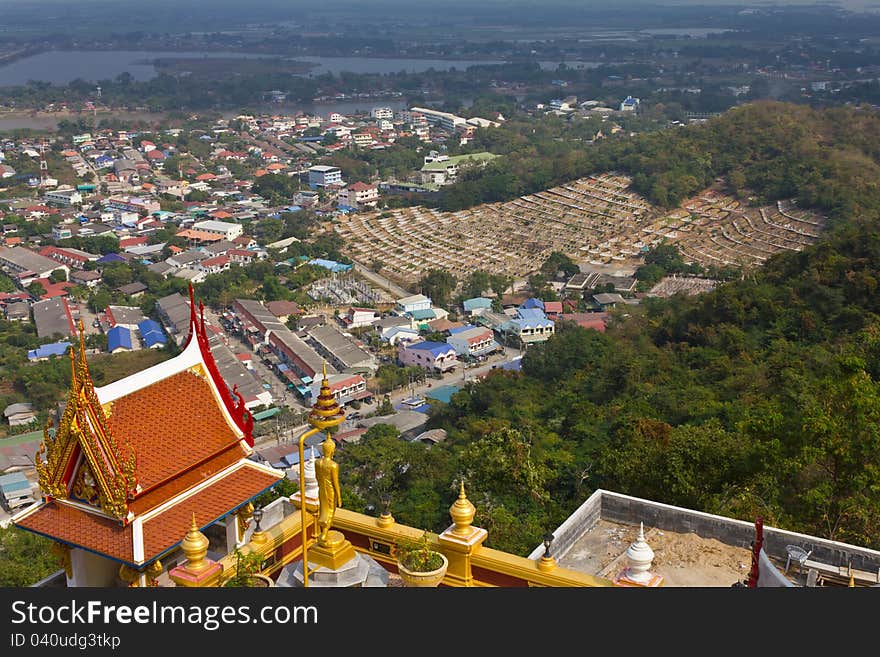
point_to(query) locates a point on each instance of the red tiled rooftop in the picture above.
(164, 448)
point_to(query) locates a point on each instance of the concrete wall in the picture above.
(632, 510)
(89, 569)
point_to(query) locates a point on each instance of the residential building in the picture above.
(133, 290)
(85, 277)
(20, 414)
(226, 230)
(412, 303)
(341, 351)
(24, 265)
(135, 204)
(127, 316)
(431, 356)
(445, 120)
(16, 490)
(53, 317)
(444, 170)
(64, 197)
(152, 335)
(529, 325)
(629, 104)
(382, 113)
(358, 317)
(17, 312)
(472, 341)
(47, 351)
(215, 265)
(322, 175)
(119, 339)
(359, 196)
(477, 305)
(73, 257)
(346, 388)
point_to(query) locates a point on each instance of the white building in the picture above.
(64, 197)
(382, 113)
(227, 230)
(412, 303)
(322, 175)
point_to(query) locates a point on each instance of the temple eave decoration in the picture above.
(83, 460)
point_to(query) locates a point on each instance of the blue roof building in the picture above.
(118, 339)
(530, 314)
(44, 351)
(424, 314)
(111, 257)
(152, 334)
(332, 265)
(532, 303)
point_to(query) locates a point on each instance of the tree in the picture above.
(36, 289)
(437, 284)
(58, 276)
(385, 407)
(25, 558)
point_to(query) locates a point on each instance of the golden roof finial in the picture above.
(852, 579)
(326, 411)
(195, 548)
(462, 512)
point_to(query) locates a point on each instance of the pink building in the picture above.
(431, 356)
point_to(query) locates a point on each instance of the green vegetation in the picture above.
(823, 158)
(25, 558)
(761, 397)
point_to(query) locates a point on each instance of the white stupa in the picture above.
(309, 473)
(639, 556)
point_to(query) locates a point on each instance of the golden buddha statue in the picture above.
(329, 494)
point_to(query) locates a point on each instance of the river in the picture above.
(61, 67)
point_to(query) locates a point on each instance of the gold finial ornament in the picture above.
(462, 512)
(129, 575)
(326, 412)
(153, 571)
(243, 515)
(195, 548)
(62, 551)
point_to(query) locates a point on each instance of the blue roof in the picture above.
(443, 393)
(118, 337)
(532, 323)
(530, 314)
(514, 364)
(476, 302)
(533, 303)
(46, 350)
(151, 333)
(436, 348)
(332, 265)
(111, 257)
(426, 313)
(459, 329)
(13, 482)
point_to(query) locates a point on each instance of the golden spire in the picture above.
(462, 512)
(195, 548)
(852, 579)
(326, 411)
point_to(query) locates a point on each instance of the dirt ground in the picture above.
(682, 559)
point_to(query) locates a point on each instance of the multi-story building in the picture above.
(412, 303)
(358, 317)
(430, 356)
(25, 265)
(472, 341)
(64, 197)
(359, 195)
(72, 257)
(346, 388)
(322, 175)
(382, 113)
(226, 230)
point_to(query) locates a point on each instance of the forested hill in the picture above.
(827, 158)
(759, 398)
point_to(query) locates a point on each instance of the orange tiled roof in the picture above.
(79, 527)
(209, 504)
(172, 425)
(161, 532)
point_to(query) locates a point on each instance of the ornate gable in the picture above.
(83, 460)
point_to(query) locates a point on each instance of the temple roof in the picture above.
(132, 460)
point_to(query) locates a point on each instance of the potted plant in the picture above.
(418, 564)
(247, 567)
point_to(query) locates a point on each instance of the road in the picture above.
(381, 281)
